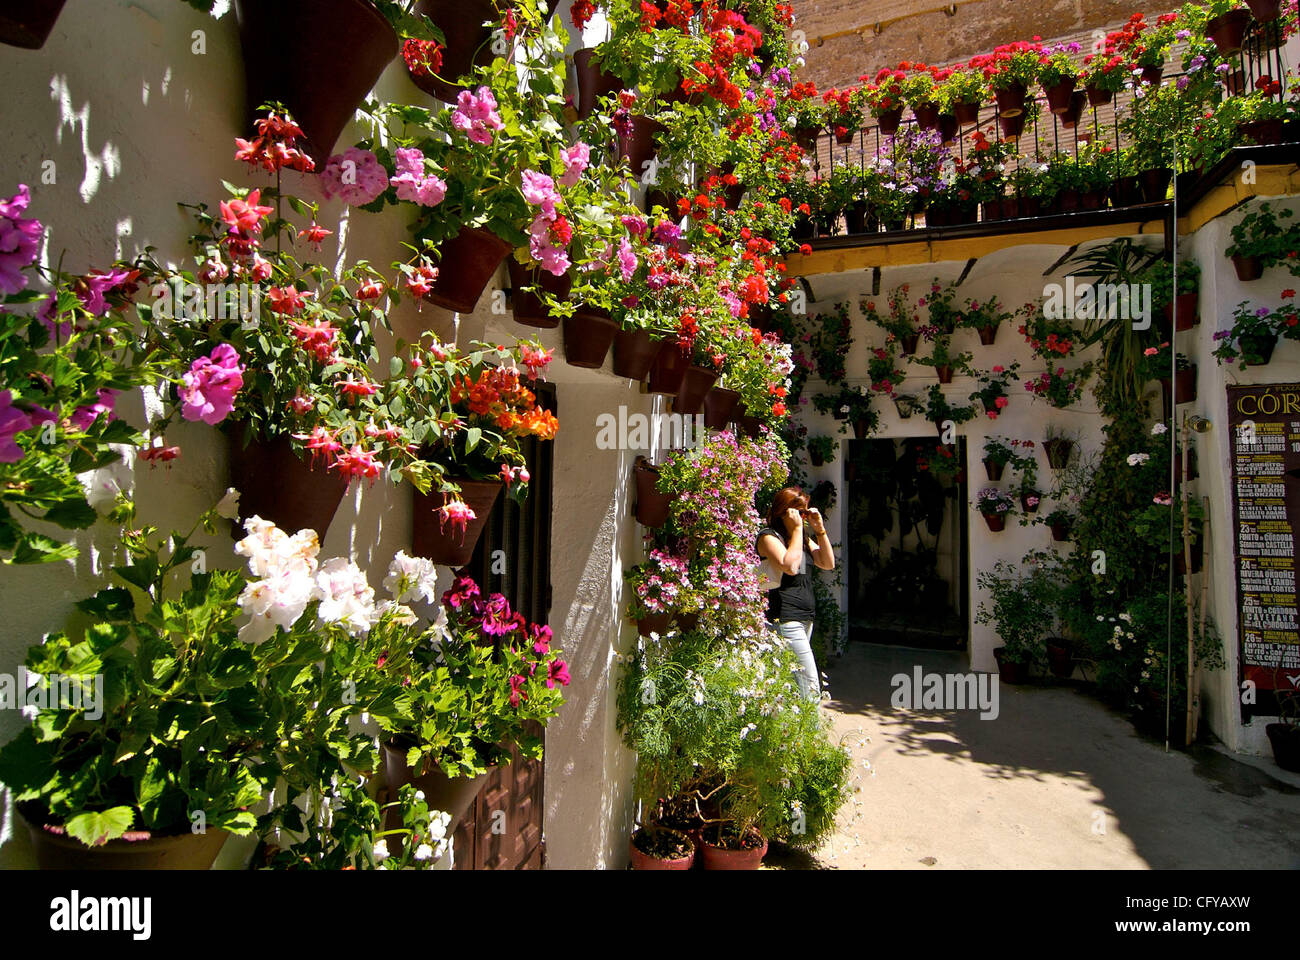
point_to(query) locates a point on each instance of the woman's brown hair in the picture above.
(785, 498)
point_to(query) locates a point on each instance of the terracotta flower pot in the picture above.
(816, 458)
(644, 861)
(1060, 532)
(668, 370)
(1155, 183)
(529, 308)
(948, 127)
(287, 44)
(276, 485)
(1097, 97)
(1182, 313)
(1264, 132)
(997, 522)
(639, 149)
(1285, 741)
(1258, 351)
(987, 334)
(466, 266)
(1011, 101)
(944, 372)
(1248, 268)
(1092, 199)
(27, 23)
(440, 542)
(861, 428)
(135, 850)
(719, 858)
(1153, 75)
(927, 116)
(994, 470)
(469, 43)
(652, 506)
(909, 343)
(1059, 95)
(588, 335)
(452, 795)
(1070, 117)
(593, 82)
(1228, 30)
(1012, 125)
(1008, 672)
(1058, 451)
(634, 353)
(657, 623)
(1128, 192)
(1184, 382)
(1028, 507)
(1235, 82)
(966, 113)
(889, 121)
(719, 405)
(845, 138)
(751, 427)
(696, 384)
(1059, 659)
(1068, 200)
(806, 137)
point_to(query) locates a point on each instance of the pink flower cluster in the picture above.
(549, 233)
(476, 115)
(575, 160)
(20, 240)
(355, 176)
(412, 182)
(208, 390)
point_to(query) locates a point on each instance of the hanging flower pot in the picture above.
(844, 136)
(1153, 75)
(905, 406)
(816, 458)
(987, 334)
(1182, 313)
(639, 149)
(1155, 183)
(1012, 125)
(927, 115)
(1059, 659)
(719, 406)
(439, 540)
(944, 372)
(466, 266)
(593, 82)
(1228, 30)
(696, 384)
(1008, 671)
(1248, 268)
(1011, 100)
(634, 353)
(1058, 452)
(1097, 97)
(1128, 191)
(134, 850)
(1235, 82)
(1263, 132)
(909, 343)
(657, 623)
(27, 23)
(529, 308)
(994, 470)
(664, 849)
(1059, 95)
(274, 483)
(997, 522)
(1184, 382)
(451, 795)
(667, 371)
(1257, 350)
(1060, 531)
(469, 43)
(889, 121)
(1030, 501)
(287, 43)
(855, 217)
(588, 335)
(1284, 738)
(806, 137)
(861, 428)
(748, 857)
(1070, 117)
(1198, 559)
(652, 507)
(751, 427)
(966, 113)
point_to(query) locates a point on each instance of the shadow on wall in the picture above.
(1176, 811)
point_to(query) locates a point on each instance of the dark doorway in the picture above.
(503, 829)
(907, 542)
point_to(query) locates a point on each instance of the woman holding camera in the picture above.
(793, 534)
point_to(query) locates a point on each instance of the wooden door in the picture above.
(503, 829)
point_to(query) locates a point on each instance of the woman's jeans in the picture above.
(798, 637)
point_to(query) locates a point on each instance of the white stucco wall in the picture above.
(134, 122)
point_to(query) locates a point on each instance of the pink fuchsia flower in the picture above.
(355, 176)
(157, 455)
(412, 182)
(213, 271)
(627, 262)
(357, 462)
(318, 339)
(558, 671)
(539, 190)
(357, 388)
(476, 115)
(315, 235)
(575, 160)
(208, 389)
(244, 217)
(286, 300)
(260, 269)
(459, 514)
(20, 241)
(371, 290)
(301, 405)
(12, 421)
(420, 278)
(536, 359)
(320, 443)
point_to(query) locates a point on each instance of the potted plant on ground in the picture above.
(994, 384)
(1022, 605)
(994, 506)
(657, 847)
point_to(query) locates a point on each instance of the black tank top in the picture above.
(794, 599)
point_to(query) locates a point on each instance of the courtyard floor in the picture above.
(1056, 781)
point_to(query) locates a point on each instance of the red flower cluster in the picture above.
(273, 149)
(423, 57)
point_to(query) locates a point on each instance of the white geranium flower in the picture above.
(345, 596)
(103, 485)
(381, 850)
(1137, 459)
(412, 578)
(423, 852)
(1158, 429)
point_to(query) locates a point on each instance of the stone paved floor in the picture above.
(1056, 781)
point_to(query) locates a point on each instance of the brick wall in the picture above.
(922, 30)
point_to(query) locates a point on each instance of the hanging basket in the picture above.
(1182, 313)
(719, 406)
(997, 522)
(27, 23)
(1228, 30)
(276, 485)
(1097, 97)
(994, 470)
(1059, 96)
(634, 353)
(966, 113)
(1248, 268)
(593, 82)
(696, 384)
(1012, 125)
(751, 427)
(1184, 383)
(469, 43)
(1028, 507)
(987, 334)
(667, 371)
(287, 46)
(588, 335)
(1058, 451)
(439, 542)
(944, 373)
(1155, 183)
(927, 115)
(1060, 531)
(1011, 101)
(889, 121)
(1070, 117)
(529, 308)
(861, 428)
(908, 344)
(639, 149)
(1257, 351)
(467, 264)
(1153, 75)
(652, 507)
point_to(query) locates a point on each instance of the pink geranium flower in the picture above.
(412, 182)
(208, 390)
(558, 671)
(355, 176)
(575, 160)
(476, 115)
(20, 241)
(12, 421)
(539, 190)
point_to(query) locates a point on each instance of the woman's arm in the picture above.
(823, 555)
(784, 560)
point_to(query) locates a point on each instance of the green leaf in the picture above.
(96, 829)
(112, 604)
(71, 514)
(38, 548)
(472, 437)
